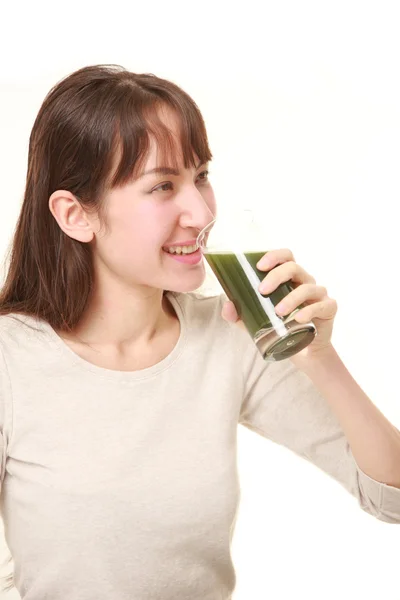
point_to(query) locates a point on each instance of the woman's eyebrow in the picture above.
(164, 171)
(160, 171)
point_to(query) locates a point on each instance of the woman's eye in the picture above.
(168, 186)
(164, 187)
(204, 176)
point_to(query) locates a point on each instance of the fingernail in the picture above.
(280, 308)
(262, 263)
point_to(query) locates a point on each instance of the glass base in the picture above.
(275, 347)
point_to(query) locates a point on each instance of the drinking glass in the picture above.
(232, 247)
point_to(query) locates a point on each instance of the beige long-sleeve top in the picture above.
(125, 484)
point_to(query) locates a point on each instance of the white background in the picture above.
(301, 101)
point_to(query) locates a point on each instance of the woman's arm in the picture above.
(374, 441)
(7, 589)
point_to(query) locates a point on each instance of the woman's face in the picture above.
(144, 218)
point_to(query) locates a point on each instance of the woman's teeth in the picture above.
(182, 249)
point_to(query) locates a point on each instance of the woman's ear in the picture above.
(70, 216)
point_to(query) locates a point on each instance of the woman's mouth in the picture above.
(181, 249)
(187, 253)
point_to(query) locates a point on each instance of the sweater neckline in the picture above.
(77, 361)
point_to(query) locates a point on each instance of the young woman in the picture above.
(121, 389)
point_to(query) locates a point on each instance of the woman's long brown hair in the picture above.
(91, 135)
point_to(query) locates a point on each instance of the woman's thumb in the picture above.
(229, 312)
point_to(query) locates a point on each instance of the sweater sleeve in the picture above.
(7, 588)
(282, 404)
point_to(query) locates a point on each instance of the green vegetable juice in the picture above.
(239, 284)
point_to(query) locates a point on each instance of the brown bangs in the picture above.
(137, 125)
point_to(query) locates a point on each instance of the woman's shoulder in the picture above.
(15, 329)
(199, 307)
(203, 312)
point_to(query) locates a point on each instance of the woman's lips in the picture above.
(189, 259)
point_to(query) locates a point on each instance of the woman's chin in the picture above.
(187, 284)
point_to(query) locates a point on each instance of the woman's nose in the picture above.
(196, 211)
